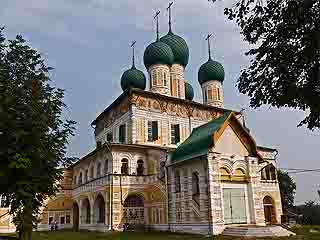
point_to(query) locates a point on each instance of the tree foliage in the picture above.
(33, 132)
(285, 54)
(287, 189)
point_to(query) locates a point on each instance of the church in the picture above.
(164, 161)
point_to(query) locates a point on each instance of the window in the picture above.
(159, 78)
(99, 169)
(175, 133)
(80, 178)
(75, 180)
(195, 188)
(91, 173)
(86, 176)
(61, 220)
(122, 133)
(177, 182)
(269, 173)
(68, 219)
(50, 220)
(205, 96)
(218, 91)
(210, 94)
(140, 168)
(125, 166)
(152, 131)
(3, 203)
(154, 78)
(106, 166)
(164, 79)
(109, 137)
(178, 88)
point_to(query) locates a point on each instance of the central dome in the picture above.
(211, 70)
(179, 48)
(133, 78)
(158, 53)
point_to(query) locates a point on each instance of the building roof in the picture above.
(158, 53)
(203, 137)
(133, 78)
(198, 142)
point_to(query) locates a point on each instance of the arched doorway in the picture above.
(99, 210)
(85, 212)
(75, 213)
(133, 210)
(269, 211)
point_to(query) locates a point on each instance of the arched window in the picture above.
(154, 78)
(159, 78)
(177, 182)
(210, 97)
(80, 178)
(218, 92)
(269, 173)
(99, 169)
(224, 174)
(164, 79)
(3, 202)
(91, 173)
(125, 166)
(140, 168)
(86, 176)
(195, 188)
(106, 167)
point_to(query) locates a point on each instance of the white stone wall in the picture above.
(216, 98)
(140, 118)
(159, 79)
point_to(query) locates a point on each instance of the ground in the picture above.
(303, 233)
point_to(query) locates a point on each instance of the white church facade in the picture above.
(166, 162)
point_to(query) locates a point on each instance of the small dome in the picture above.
(157, 53)
(211, 70)
(133, 78)
(179, 48)
(189, 91)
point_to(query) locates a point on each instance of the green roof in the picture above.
(158, 53)
(211, 70)
(189, 91)
(178, 46)
(200, 140)
(133, 78)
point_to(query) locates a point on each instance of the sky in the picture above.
(88, 44)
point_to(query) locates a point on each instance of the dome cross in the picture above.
(209, 48)
(169, 10)
(133, 48)
(157, 19)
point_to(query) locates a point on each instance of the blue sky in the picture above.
(88, 44)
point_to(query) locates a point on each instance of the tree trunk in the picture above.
(26, 227)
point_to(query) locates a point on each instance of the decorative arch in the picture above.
(269, 210)
(86, 211)
(133, 209)
(225, 174)
(99, 207)
(75, 216)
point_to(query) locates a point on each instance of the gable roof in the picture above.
(205, 136)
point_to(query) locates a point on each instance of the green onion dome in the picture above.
(157, 53)
(133, 78)
(179, 48)
(211, 70)
(189, 91)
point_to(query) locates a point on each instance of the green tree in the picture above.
(287, 189)
(33, 132)
(285, 54)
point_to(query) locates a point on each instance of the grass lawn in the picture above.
(303, 233)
